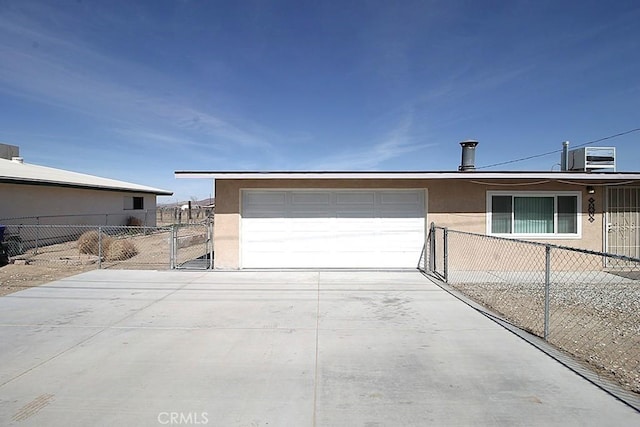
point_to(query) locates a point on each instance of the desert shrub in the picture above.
(122, 249)
(132, 221)
(88, 243)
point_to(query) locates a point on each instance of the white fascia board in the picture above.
(470, 176)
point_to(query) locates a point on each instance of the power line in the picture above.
(560, 150)
(518, 160)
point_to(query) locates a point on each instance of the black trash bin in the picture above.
(4, 256)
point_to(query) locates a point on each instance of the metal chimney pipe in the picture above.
(564, 157)
(468, 155)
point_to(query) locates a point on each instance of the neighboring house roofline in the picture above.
(475, 175)
(41, 183)
(15, 172)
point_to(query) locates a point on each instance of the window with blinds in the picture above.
(532, 214)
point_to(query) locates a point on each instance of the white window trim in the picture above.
(578, 195)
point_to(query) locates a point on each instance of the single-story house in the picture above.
(380, 219)
(32, 194)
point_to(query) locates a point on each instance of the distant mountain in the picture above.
(204, 202)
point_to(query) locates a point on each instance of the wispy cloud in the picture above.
(148, 138)
(398, 142)
(187, 118)
(55, 69)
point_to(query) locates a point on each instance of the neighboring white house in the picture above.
(32, 194)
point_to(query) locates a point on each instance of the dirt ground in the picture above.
(54, 262)
(14, 278)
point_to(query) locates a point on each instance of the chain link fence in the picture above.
(586, 303)
(166, 215)
(131, 218)
(113, 247)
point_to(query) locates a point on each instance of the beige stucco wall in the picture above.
(70, 206)
(457, 204)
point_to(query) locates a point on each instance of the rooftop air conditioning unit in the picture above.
(591, 158)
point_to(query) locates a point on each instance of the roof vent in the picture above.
(564, 157)
(8, 151)
(468, 155)
(17, 160)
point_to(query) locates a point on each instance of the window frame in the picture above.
(555, 195)
(130, 203)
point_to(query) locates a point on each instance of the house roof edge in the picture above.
(588, 176)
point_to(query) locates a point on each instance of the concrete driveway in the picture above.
(138, 348)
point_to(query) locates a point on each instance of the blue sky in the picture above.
(134, 90)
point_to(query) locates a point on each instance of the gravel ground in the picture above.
(598, 323)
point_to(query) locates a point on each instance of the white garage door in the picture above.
(332, 229)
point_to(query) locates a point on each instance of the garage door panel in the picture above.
(304, 241)
(333, 229)
(307, 213)
(360, 239)
(311, 198)
(265, 198)
(397, 240)
(355, 198)
(410, 198)
(397, 223)
(268, 212)
(265, 225)
(399, 217)
(400, 211)
(264, 239)
(346, 221)
(354, 212)
(308, 225)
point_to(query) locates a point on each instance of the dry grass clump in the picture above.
(132, 221)
(88, 243)
(119, 250)
(112, 249)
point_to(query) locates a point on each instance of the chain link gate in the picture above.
(192, 246)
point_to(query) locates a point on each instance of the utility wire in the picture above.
(560, 150)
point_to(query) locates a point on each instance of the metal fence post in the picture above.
(445, 248)
(172, 247)
(210, 240)
(547, 285)
(99, 247)
(432, 248)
